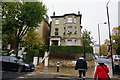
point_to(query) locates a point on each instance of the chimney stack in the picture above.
(78, 12)
(54, 13)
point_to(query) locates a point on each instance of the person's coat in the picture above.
(100, 74)
(81, 64)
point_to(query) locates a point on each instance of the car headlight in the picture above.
(27, 65)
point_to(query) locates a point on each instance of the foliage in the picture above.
(104, 49)
(30, 54)
(116, 37)
(19, 18)
(70, 49)
(33, 40)
(106, 41)
(86, 38)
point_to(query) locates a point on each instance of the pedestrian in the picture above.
(81, 66)
(101, 72)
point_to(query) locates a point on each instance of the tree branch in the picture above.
(22, 32)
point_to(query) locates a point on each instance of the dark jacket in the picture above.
(81, 64)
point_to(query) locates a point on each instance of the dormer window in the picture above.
(57, 21)
(69, 19)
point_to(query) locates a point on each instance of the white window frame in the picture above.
(70, 20)
(57, 21)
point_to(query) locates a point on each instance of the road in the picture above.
(12, 75)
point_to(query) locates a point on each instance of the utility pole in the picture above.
(99, 37)
(110, 37)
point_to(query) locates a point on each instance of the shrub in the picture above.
(70, 49)
(30, 54)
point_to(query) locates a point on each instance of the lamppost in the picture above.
(99, 37)
(110, 36)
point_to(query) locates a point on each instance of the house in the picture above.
(96, 48)
(44, 29)
(66, 30)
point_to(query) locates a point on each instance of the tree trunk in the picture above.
(16, 46)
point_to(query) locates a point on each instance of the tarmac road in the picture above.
(46, 73)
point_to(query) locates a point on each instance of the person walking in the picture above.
(81, 66)
(101, 72)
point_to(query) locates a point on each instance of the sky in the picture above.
(93, 13)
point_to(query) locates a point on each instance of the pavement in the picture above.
(66, 71)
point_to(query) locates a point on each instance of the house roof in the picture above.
(66, 15)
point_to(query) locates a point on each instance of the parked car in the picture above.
(13, 63)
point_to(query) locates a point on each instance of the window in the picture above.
(75, 40)
(64, 20)
(13, 59)
(69, 42)
(70, 19)
(75, 32)
(64, 33)
(54, 42)
(74, 20)
(56, 21)
(5, 58)
(56, 31)
(69, 29)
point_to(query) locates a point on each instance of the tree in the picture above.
(104, 49)
(86, 38)
(116, 37)
(19, 18)
(33, 40)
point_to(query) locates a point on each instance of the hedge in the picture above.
(70, 49)
(30, 54)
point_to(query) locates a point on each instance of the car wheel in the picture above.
(20, 69)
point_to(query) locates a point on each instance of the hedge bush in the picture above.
(30, 54)
(64, 56)
(70, 49)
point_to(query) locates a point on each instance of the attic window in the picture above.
(57, 21)
(69, 19)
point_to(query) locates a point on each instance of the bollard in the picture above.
(58, 66)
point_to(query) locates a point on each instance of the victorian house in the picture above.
(66, 30)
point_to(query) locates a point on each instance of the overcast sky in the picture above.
(93, 12)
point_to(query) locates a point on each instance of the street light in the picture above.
(110, 36)
(99, 36)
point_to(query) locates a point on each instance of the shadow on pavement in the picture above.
(11, 74)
